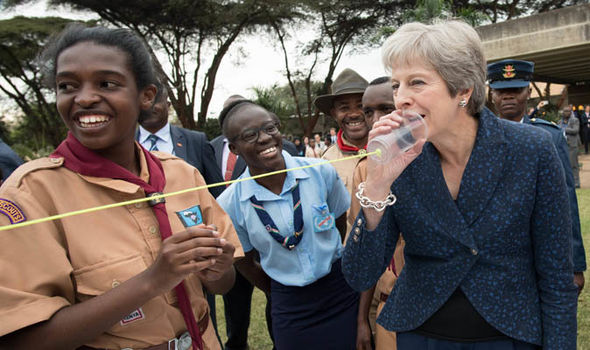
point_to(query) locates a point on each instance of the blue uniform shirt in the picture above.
(558, 137)
(312, 258)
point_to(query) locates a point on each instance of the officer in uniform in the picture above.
(510, 87)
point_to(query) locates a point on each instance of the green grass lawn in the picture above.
(584, 301)
(258, 336)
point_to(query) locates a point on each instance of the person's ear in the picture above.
(465, 94)
(528, 95)
(147, 97)
(233, 149)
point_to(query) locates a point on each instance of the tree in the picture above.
(337, 25)
(21, 39)
(192, 34)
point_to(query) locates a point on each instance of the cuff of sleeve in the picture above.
(359, 228)
(29, 314)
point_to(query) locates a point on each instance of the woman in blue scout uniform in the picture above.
(296, 222)
(488, 255)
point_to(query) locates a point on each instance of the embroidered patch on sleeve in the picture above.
(10, 209)
(136, 315)
(191, 216)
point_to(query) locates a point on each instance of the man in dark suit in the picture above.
(238, 300)
(156, 134)
(510, 87)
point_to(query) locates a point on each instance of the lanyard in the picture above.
(288, 242)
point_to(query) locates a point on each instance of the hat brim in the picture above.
(325, 102)
(509, 84)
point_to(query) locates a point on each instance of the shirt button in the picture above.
(115, 283)
(355, 238)
(153, 229)
(357, 231)
(474, 251)
(359, 222)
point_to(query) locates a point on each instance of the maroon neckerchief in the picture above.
(344, 147)
(84, 161)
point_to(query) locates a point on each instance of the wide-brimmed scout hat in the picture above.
(347, 82)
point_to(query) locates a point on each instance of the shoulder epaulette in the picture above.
(539, 121)
(34, 165)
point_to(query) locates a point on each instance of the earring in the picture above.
(462, 103)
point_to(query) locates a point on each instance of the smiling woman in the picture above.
(480, 205)
(127, 277)
(295, 221)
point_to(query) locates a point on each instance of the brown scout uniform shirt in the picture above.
(345, 170)
(51, 265)
(387, 280)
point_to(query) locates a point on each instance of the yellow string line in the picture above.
(164, 195)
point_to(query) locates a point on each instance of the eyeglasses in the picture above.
(251, 135)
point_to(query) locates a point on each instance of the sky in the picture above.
(250, 62)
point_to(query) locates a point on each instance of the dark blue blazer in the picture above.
(505, 241)
(579, 253)
(195, 149)
(9, 160)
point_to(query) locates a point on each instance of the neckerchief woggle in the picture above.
(84, 161)
(288, 242)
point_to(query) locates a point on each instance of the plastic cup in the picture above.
(412, 129)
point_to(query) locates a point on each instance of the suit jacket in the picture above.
(195, 149)
(572, 132)
(505, 241)
(240, 166)
(559, 141)
(9, 160)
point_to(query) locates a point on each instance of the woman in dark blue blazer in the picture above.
(482, 207)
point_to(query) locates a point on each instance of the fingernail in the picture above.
(219, 250)
(215, 233)
(222, 240)
(212, 261)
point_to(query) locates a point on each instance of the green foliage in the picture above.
(21, 40)
(550, 113)
(212, 128)
(194, 35)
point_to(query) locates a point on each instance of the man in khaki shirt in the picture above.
(57, 264)
(377, 101)
(345, 106)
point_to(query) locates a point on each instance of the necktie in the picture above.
(231, 163)
(154, 140)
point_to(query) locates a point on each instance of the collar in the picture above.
(120, 185)
(163, 133)
(346, 146)
(251, 187)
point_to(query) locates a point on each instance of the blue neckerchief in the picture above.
(288, 242)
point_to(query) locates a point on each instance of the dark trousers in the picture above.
(212, 312)
(413, 341)
(585, 137)
(237, 313)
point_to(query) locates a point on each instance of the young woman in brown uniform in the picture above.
(126, 277)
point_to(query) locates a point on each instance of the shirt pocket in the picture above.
(99, 278)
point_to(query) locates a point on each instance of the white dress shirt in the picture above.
(164, 143)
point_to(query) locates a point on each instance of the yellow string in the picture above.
(164, 195)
